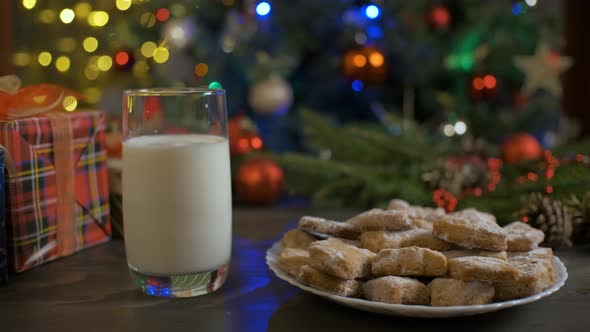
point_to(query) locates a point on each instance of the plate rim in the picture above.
(381, 307)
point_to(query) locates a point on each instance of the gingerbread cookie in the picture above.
(291, 260)
(474, 214)
(316, 279)
(377, 240)
(450, 292)
(534, 276)
(544, 253)
(481, 269)
(400, 290)
(297, 238)
(474, 252)
(522, 237)
(327, 227)
(340, 259)
(411, 261)
(471, 233)
(381, 220)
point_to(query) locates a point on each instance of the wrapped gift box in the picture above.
(3, 252)
(56, 186)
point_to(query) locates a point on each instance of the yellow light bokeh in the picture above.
(147, 19)
(228, 2)
(67, 15)
(148, 48)
(161, 54)
(376, 59)
(92, 95)
(82, 9)
(359, 60)
(98, 18)
(141, 68)
(66, 44)
(29, 4)
(90, 44)
(177, 10)
(21, 59)
(104, 63)
(62, 63)
(70, 103)
(44, 59)
(123, 4)
(201, 69)
(47, 16)
(91, 72)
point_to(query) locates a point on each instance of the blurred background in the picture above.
(343, 102)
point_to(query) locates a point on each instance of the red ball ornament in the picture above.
(259, 181)
(520, 147)
(152, 107)
(439, 17)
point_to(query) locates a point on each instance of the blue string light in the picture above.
(372, 11)
(374, 32)
(357, 85)
(517, 9)
(263, 8)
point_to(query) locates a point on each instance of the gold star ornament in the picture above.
(542, 70)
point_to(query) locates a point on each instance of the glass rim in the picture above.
(172, 92)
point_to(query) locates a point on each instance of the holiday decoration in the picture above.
(124, 60)
(62, 153)
(580, 213)
(272, 96)
(3, 250)
(179, 33)
(366, 64)
(259, 181)
(114, 144)
(457, 174)
(542, 70)
(243, 136)
(483, 86)
(549, 215)
(521, 146)
(439, 17)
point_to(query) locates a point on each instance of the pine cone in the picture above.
(580, 212)
(456, 174)
(551, 216)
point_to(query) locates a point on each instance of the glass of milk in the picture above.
(177, 206)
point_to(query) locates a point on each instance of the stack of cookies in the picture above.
(415, 255)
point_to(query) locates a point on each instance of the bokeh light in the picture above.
(29, 4)
(47, 16)
(449, 130)
(62, 63)
(66, 44)
(70, 103)
(67, 15)
(460, 127)
(162, 14)
(104, 63)
(531, 3)
(44, 59)
(147, 20)
(201, 69)
(91, 72)
(161, 54)
(489, 81)
(359, 60)
(263, 8)
(148, 48)
(376, 59)
(21, 59)
(357, 85)
(98, 18)
(372, 11)
(478, 83)
(92, 95)
(82, 10)
(123, 5)
(122, 58)
(90, 44)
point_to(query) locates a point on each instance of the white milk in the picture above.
(177, 203)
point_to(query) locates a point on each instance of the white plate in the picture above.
(415, 310)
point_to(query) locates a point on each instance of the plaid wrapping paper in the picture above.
(3, 253)
(32, 220)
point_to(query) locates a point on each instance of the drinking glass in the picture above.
(177, 207)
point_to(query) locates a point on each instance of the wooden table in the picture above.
(92, 291)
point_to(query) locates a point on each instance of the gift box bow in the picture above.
(49, 101)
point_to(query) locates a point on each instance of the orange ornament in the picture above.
(520, 147)
(259, 181)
